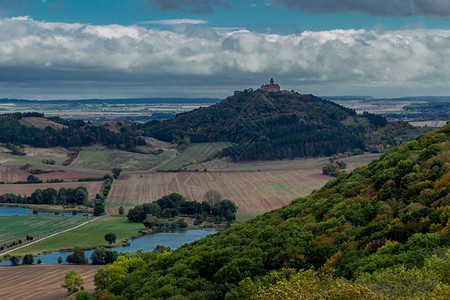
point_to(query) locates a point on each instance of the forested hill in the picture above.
(380, 232)
(271, 125)
(60, 133)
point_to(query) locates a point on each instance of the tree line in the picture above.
(174, 205)
(76, 134)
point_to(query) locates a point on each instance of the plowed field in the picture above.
(93, 187)
(12, 173)
(40, 281)
(253, 192)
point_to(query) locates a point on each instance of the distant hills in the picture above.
(380, 232)
(115, 101)
(271, 125)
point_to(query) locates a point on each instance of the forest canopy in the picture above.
(361, 235)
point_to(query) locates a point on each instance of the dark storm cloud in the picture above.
(194, 6)
(437, 8)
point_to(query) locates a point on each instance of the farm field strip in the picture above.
(13, 173)
(17, 227)
(41, 281)
(93, 187)
(88, 235)
(107, 159)
(16, 249)
(195, 152)
(253, 192)
(306, 164)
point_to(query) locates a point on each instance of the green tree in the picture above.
(14, 261)
(116, 172)
(110, 238)
(60, 259)
(72, 282)
(77, 258)
(226, 209)
(98, 256)
(99, 209)
(28, 259)
(101, 279)
(121, 210)
(152, 222)
(82, 295)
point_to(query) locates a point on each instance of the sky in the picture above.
(74, 49)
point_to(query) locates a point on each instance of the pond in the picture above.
(172, 239)
(8, 211)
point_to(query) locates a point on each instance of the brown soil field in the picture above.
(253, 192)
(13, 173)
(92, 187)
(40, 123)
(41, 281)
(255, 187)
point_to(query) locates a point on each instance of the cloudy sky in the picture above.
(72, 49)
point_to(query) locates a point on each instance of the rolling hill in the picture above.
(271, 125)
(380, 232)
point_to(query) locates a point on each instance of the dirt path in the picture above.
(52, 235)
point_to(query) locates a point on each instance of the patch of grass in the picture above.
(194, 154)
(242, 218)
(90, 235)
(223, 165)
(107, 159)
(17, 227)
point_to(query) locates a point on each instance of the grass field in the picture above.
(89, 235)
(41, 281)
(17, 227)
(93, 187)
(194, 153)
(224, 165)
(107, 159)
(34, 155)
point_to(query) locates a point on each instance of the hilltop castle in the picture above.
(270, 87)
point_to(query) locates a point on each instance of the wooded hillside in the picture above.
(271, 125)
(380, 232)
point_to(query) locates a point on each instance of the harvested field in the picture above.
(41, 281)
(253, 192)
(92, 187)
(107, 159)
(194, 153)
(13, 173)
(255, 187)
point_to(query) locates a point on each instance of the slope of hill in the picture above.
(380, 232)
(36, 130)
(271, 125)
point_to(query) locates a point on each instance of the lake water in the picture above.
(172, 239)
(8, 211)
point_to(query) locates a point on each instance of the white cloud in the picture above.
(171, 22)
(205, 61)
